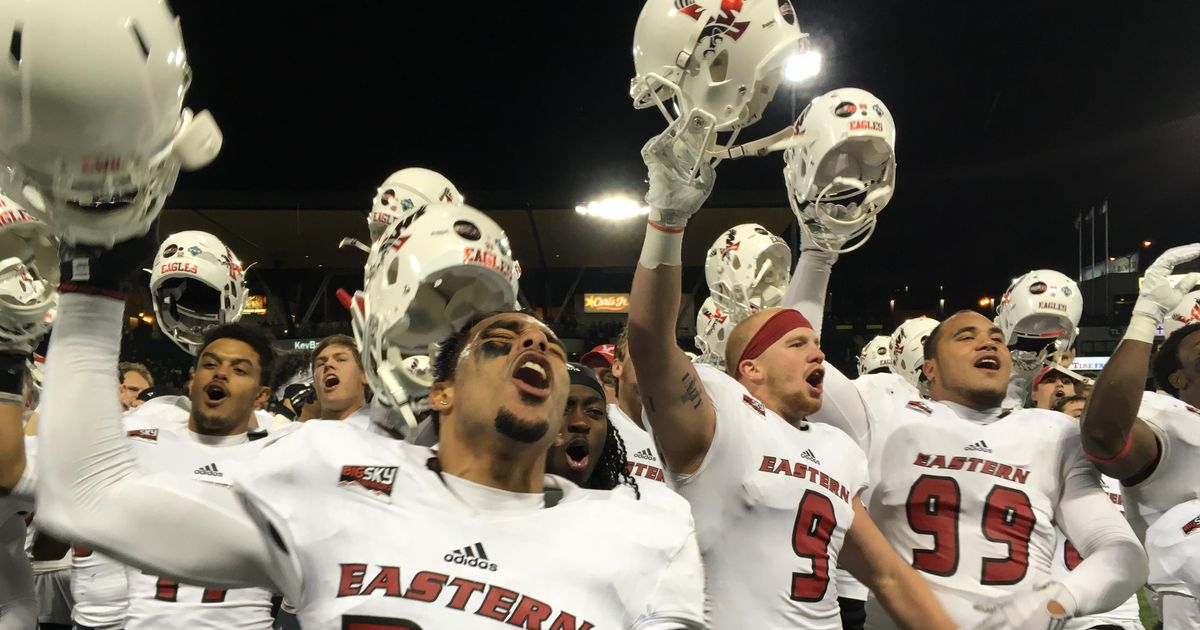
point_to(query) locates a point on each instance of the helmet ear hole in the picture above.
(141, 41)
(14, 45)
(393, 271)
(719, 68)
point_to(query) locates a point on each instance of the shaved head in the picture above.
(741, 336)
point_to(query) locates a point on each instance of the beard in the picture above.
(508, 425)
(984, 398)
(225, 424)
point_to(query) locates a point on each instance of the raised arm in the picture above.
(1120, 444)
(673, 398)
(810, 283)
(91, 490)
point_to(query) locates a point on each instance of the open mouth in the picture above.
(532, 376)
(988, 363)
(577, 453)
(215, 394)
(331, 381)
(816, 379)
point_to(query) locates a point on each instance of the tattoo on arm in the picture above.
(690, 392)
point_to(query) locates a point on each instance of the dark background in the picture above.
(1013, 118)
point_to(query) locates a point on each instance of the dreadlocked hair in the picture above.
(611, 470)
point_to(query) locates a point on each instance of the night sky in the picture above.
(1012, 117)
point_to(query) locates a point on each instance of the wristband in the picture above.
(663, 245)
(1141, 328)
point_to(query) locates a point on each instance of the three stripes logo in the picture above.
(208, 470)
(645, 453)
(808, 454)
(471, 556)
(978, 446)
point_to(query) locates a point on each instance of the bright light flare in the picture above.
(802, 66)
(613, 208)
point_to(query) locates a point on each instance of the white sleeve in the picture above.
(93, 493)
(678, 600)
(806, 291)
(843, 407)
(1114, 564)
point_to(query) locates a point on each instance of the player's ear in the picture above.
(929, 367)
(441, 396)
(264, 394)
(749, 370)
(1177, 380)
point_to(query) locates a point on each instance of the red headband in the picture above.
(777, 325)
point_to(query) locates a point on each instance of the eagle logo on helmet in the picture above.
(716, 315)
(446, 195)
(731, 245)
(716, 29)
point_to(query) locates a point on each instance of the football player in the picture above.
(339, 381)
(739, 450)
(360, 530)
(1150, 440)
(644, 461)
(589, 450)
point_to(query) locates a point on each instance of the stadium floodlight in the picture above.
(803, 66)
(613, 208)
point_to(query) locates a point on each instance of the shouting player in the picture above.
(739, 450)
(360, 530)
(1148, 440)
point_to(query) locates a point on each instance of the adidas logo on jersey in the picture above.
(978, 446)
(210, 470)
(471, 556)
(808, 454)
(645, 453)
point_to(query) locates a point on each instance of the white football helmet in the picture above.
(713, 326)
(27, 304)
(876, 356)
(29, 275)
(908, 348)
(406, 190)
(1038, 313)
(840, 169)
(425, 277)
(747, 269)
(196, 283)
(719, 61)
(1184, 313)
(93, 131)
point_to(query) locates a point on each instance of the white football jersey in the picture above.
(641, 453)
(1173, 548)
(969, 498)
(166, 412)
(1174, 480)
(99, 588)
(157, 602)
(787, 493)
(380, 541)
(1066, 558)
